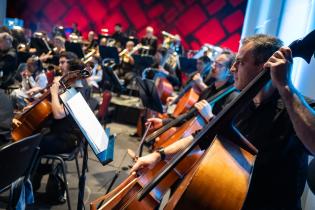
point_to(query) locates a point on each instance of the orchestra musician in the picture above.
(149, 40)
(75, 30)
(119, 37)
(301, 113)
(220, 78)
(8, 59)
(126, 71)
(279, 174)
(63, 134)
(28, 89)
(91, 42)
(59, 44)
(160, 63)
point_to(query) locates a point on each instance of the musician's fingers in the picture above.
(136, 167)
(132, 154)
(286, 51)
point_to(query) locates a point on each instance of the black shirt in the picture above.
(8, 66)
(152, 43)
(279, 174)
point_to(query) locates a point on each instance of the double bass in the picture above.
(34, 117)
(220, 179)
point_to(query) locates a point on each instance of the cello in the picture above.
(33, 118)
(224, 171)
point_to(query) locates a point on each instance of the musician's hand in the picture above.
(146, 162)
(16, 122)
(204, 109)
(197, 78)
(280, 64)
(155, 123)
(170, 99)
(161, 69)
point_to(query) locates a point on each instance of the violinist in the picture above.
(279, 174)
(62, 137)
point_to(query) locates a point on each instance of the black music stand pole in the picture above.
(82, 177)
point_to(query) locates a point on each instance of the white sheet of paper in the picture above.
(88, 122)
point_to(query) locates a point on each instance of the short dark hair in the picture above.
(263, 46)
(75, 64)
(204, 59)
(68, 55)
(118, 24)
(230, 56)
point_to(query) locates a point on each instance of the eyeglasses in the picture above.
(218, 64)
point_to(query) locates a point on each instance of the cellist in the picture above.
(278, 178)
(301, 114)
(62, 137)
(219, 75)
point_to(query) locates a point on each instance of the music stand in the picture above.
(142, 62)
(23, 56)
(109, 52)
(39, 45)
(75, 48)
(149, 95)
(112, 77)
(99, 140)
(187, 65)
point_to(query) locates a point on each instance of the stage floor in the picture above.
(98, 177)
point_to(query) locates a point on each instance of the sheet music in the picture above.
(88, 123)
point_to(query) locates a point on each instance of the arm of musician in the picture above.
(16, 122)
(155, 123)
(161, 69)
(199, 82)
(131, 60)
(57, 108)
(150, 160)
(301, 114)
(33, 90)
(170, 99)
(205, 110)
(43, 57)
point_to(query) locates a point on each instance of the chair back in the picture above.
(16, 159)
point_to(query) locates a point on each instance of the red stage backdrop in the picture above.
(217, 22)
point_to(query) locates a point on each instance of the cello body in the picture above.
(186, 102)
(220, 181)
(164, 88)
(124, 196)
(32, 119)
(188, 128)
